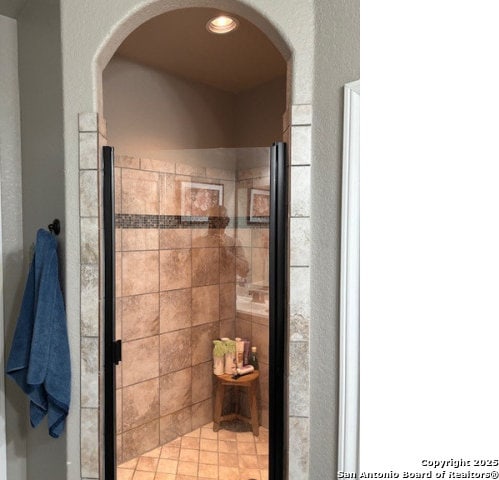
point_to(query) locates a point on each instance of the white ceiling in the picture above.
(11, 8)
(178, 43)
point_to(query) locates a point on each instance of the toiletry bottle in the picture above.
(230, 356)
(239, 352)
(247, 350)
(246, 370)
(253, 360)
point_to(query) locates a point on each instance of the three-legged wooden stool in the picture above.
(246, 381)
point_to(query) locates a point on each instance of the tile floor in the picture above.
(203, 454)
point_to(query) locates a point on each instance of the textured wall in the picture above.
(336, 63)
(256, 111)
(12, 243)
(43, 179)
(148, 108)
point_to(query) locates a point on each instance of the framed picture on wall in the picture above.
(258, 206)
(197, 199)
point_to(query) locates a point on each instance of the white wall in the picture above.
(43, 182)
(11, 238)
(336, 63)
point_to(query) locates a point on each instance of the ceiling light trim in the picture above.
(222, 24)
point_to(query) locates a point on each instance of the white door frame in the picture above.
(348, 431)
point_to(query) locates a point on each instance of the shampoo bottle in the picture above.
(239, 353)
(246, 352)
(253, 360)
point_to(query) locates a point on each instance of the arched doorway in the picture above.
(152, 183)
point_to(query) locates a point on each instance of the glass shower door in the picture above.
(219, 236)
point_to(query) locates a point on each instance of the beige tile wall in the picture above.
(254, 240)
(92, 138)
(92, 135)
(175, 288)
(298, 135)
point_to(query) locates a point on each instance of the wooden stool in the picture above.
(246, 381)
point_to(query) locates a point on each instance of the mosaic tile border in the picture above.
(164, 222)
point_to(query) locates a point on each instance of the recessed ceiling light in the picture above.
(222, 24)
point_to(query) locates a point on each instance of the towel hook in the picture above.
(55, 227)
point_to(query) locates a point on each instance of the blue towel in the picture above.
(39, 357)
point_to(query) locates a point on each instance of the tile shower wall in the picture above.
(175, 287)
(299, 134)
(92, 136)
(252, 319)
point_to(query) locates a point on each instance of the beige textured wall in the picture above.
(147, 109)
(258, 114)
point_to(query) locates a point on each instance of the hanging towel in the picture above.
(39, 357)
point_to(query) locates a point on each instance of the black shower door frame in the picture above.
(278, 314)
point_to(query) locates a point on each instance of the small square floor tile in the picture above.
(263, 461)
(227, 447)
(210, 458)
(170, 452)
(153, 453)
(130, 464)
(245, 437)
(226, 435)
(165, 476)
(188, 455)
(248, 461)
(165, 465)
(262, 448)
(208, 471)
(147, 464)
(124, 474)
(190, 442)
(208, 445)
(209, 433)
(252, 473)
(228, 473)
(247, 448)
(228, 460)
(143, 475)
(187, 468)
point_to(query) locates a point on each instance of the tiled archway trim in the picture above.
(92, 136)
